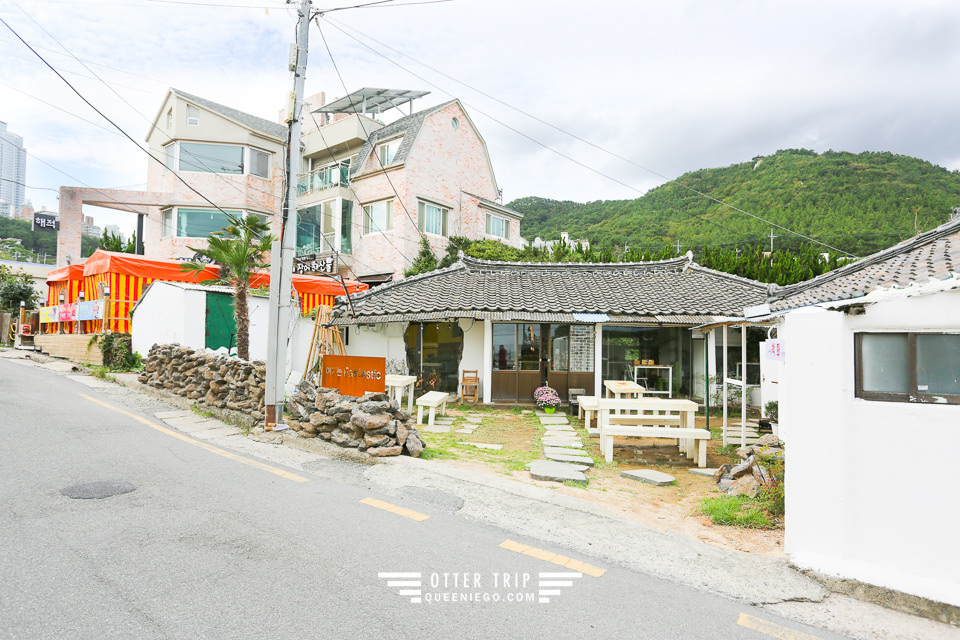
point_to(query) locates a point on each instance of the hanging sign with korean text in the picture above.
(774, 350)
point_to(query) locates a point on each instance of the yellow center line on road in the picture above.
(555, 558)
(392, 508)
(203, 445)
(772, 629)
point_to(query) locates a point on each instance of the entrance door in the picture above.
(518, 365)
(220, 324)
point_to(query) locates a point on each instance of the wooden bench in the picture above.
(691, 441)
(587, 409)
(432, 400)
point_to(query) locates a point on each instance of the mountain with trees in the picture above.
(856, 202)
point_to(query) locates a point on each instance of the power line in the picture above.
(561, 130)
(104, 116)
(367, 136)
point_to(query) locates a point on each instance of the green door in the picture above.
(220, 325)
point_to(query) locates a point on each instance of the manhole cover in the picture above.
(97, 490)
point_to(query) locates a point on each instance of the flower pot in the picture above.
(549, 409)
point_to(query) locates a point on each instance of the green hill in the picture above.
(859, 203)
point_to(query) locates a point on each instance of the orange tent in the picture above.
(128, 275)
(67, 280)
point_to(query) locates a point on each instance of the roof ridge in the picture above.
(406, 280)
(948, 228)
(680, 261)
(731, 276)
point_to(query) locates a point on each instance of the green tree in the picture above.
(239, 250)
(425, 261)
(111, 242)
(16, 286)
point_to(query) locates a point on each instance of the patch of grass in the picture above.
(438, 446)
(737, 511)
(101, 373)
(201, 412)
(574, 483)
(729, 450)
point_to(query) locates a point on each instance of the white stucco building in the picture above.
(870, 412)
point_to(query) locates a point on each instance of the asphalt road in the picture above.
(213, 543)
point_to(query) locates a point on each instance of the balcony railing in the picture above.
(324, 178)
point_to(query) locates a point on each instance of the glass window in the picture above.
(166, 223)
(211, 158)
(193, 116)
(497, 226)
(200, 223)
(259, 163)
(170, 157)
(938, 363)
(432, 219)
(505, 347)
(378, 216)
(315, 228)
(388, 151)
(908, 367)
(560, 347)
(346, 226)
(885, 362)
(529, 355)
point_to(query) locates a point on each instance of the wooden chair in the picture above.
(470, 385)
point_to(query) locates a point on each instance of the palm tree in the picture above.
(239, 250)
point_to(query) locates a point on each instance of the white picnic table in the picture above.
(622, 388)
(398, 385)
(652, 418)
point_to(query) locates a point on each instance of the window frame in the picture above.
(388, 145)
(444, 218)
(488, 227)
(173, 149)
(912, 395)
(193, 116)
(368, 226)
(173, 213)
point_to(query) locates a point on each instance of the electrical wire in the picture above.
(567, 157)
(367, 136)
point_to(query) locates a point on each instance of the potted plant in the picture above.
(547, 398)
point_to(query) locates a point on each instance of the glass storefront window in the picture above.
(505, 347)
(560, 347)
(529, 355)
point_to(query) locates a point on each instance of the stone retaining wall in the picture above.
(372, 423)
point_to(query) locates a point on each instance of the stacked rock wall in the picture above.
(214, 379)
(371, 423)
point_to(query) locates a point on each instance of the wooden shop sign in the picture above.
(354, 375)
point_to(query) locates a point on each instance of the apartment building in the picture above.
(367, 193)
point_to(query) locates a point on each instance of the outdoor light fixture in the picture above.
(82, 296)
(106, 290)
(23, 304)
(61, 298)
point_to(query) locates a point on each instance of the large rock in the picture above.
(402, 433)
(322, 419)
(768, 440)
(373, 396)
(376, 441)
(745, 486)
(375, 406)
(743, 468)
(414, 445)
(385, 451)
(556, 471)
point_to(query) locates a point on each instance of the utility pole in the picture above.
(771, 239)
(281, 253)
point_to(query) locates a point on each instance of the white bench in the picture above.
(432, 400)
(652, 418)
(691, 441)
(587, 409)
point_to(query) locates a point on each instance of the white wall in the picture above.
(872, 492)
(168, 313)
(474, 353)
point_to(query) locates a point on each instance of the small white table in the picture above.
(622, 389)
(432, 400)
(669, 368)
(397, 385)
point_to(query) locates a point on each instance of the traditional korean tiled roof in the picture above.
(933, 255)
(407, 126)
(255, 123)
(676, 291)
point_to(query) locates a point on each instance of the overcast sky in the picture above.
(669, 86)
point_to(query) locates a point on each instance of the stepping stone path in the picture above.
(563, 449)
(557, 471)
(649, 476)
(474, 419)
(484, 445)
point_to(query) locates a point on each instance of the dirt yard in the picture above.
(670, 508)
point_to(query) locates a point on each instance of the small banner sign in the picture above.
(774, 350)
(90, 310)
(315, 264)
(49, 314)
(354, 375)
(68, 312)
